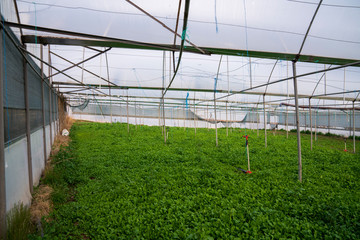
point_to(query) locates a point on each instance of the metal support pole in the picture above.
(2, 147)
(328, 121)
(350, 130)
(257, 121)
(344, 86)
(27, 119)
(287, 91)
(135, 117)
(265, 121)
(162, 93)
(354, 125)
(316, 113)
(121, 112)
(217, 76)
(108, 78)
(207, 116)
(287, 122)
(57, 113)
(43, 100)
(297, 120)
(50, 107)
(234, 115)
(227, 122)
(194, 115)
(311, 133)
(185, 118)
(228, 85)
(164, 126)
(159, 115)
(216, 132)
(127, 111)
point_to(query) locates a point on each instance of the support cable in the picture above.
(186, 15)
(77, 64)
(187, 3)
(175, 34)
(290, 78)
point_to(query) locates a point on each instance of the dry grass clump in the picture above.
(61, 140)
(41, 204)
(67, 123)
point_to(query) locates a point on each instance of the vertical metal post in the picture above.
(111, 115)
(250, 72)
(184, 118)
(328, 121)
(265, 120)
(316, 113)
(159, 114)
(311, 133)
(354, 124)
(234, 115)
(227, 122)
(287, 91)
(217, 77)
(162, 92)
(350, 130)
(43, 100)
(108, 78)
(207, 116)
(228, 85)
(194, 115)
(216, 137)
(344, 86)
(127, 111)
(2, 147)
(27, 119)
(257, 120)
(297, 120)
(163, 112)
(135, 117)
(216, 132)
(120, 112)
(230, 119)
(57, 113)
(50, 107)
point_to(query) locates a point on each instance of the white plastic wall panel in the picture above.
(16, 174)
(37, 154)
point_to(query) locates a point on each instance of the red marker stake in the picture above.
(345, 150)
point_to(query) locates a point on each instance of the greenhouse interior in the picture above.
(177, 119)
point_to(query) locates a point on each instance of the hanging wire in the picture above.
(192, 20)
(216, 24)
(247, 47)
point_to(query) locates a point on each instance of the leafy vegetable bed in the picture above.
(113, 185)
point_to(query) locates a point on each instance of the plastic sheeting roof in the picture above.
(267, 29)
(255, 25)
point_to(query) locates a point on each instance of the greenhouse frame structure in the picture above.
(106, 92)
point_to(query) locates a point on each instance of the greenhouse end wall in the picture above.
(335, 122)
(29, 124)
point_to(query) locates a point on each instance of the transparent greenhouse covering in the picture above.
(113, 50)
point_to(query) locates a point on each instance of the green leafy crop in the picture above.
(113, 185)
